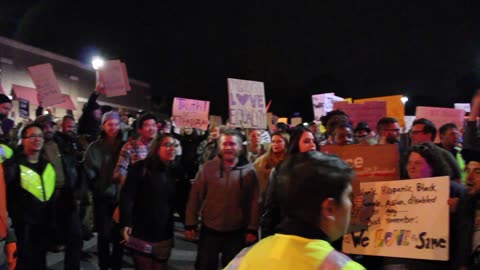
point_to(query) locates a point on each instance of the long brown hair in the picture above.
(153, 161)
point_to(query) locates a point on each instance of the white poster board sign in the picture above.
(112, 74)
(403, 224)
(462, 106)
(46, 84)
(323, 103)
(190, 113)
(246, 101)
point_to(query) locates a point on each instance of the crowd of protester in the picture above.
(250, 198)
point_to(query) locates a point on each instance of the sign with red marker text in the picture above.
(246, 100)
(370, 163)
(113, 75)
(190, 113)
(46, 84)
(403, 224)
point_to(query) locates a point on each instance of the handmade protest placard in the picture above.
(294, 121)
(369, 112)
(23, 108)
(370, 163)
(462, 106)
(46, 84)
(67, 104)
(26, 93)
(395, 106)
(215, 120)
(125, 77)
(246, 101)
(403, 223)
(323, 103)
(112, 74)
(440, 116)
(190, 113)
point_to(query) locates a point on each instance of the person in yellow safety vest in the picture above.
(30, 186)
(5, 152)
(314, 192)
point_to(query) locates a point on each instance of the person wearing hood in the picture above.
(227, 188)
(99, 163)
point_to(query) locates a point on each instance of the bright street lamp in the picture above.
(97, 62)
(404, 99)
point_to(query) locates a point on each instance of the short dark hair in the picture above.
(305, 180)
(428, 126)
(29, 126)
(385, 121)
(296, 134)
(433, 156)
(144, 117)
(68, 117)
(232, 132)
(443, 129)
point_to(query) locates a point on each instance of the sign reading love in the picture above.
(247, 103)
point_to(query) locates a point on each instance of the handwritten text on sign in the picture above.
(46, 83)
(191, 113)
(247, 104)
(403, 223)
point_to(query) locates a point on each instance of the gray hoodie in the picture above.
(227, 197)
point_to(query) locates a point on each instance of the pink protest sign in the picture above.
(46, 83)
(246, 100)
(369, 112)
(125, 77)
(67, 104)
(190, 113)
(26, 93)
(113, 76)
(441, 116)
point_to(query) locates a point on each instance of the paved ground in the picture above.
(183, 255)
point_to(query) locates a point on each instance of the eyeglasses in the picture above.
(38, 136)
(169, 145)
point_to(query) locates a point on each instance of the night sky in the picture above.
(426, 50)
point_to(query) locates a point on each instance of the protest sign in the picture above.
(462, 106)
(395, 106)
(370, 163)
(112, 74)
(26, 93)
(67, 104)
(23, 108)
(46, 84)
(295, 121)
(215, 120)
(246, 101)
(323, 103)
(408, 122)
(269, 119)
(125, 77)
(369, 112)
(283, 120)
(441, 116)
(403, 223)
(190, 113)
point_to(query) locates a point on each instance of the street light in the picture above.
(404, 99)
(97, 62)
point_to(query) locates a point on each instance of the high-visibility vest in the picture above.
(42, 187)
(5, 152)
(282, 251)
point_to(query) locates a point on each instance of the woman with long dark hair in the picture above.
(147, 205)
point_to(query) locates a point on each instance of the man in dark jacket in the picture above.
(227, 191)
(6, 124)
(31, 186)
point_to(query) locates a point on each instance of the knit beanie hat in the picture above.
(109, 116)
